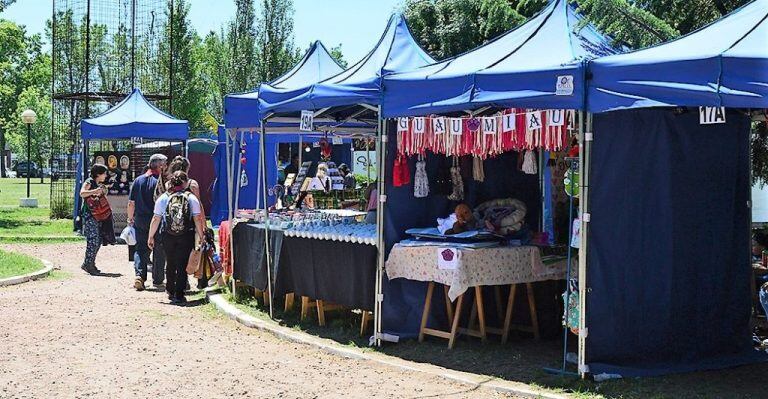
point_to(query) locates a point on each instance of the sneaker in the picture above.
(138, 284)
(159, 286)
(178, 300)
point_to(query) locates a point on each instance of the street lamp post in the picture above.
(29, 118)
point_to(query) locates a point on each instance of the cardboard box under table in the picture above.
(460, 269)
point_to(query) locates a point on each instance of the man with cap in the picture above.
(141, 204)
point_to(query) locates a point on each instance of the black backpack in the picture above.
(178, 215)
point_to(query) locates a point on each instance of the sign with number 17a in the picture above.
(307, 121)
(711, 115)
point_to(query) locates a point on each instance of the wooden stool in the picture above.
(504, 331)
(366, 317)
(454, 316)
(319, 304)
(289, 299)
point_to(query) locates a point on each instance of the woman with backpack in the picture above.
(179, 211)
(95, 214)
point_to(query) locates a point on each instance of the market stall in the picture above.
(513, 100)
(352, 95)
(669, 237)
(113, 137)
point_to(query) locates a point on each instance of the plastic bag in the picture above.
(129, 235)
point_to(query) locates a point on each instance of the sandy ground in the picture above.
(95, 337)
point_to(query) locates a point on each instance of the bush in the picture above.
(62, 208)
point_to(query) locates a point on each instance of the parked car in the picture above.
(24, 167)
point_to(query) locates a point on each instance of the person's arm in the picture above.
(85, 192)
(130, 211)
(197, 216)
(194, 187)
(152, 231)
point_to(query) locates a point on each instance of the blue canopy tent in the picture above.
(134, 117)
(668, 245)
(522, 68)
(355, 94)
(342, 95)
(721, 65)
(540, 64)
(243, 123)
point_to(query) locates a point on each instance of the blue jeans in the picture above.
(141, 258)
(764, 298)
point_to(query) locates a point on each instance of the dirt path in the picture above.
(89, 337)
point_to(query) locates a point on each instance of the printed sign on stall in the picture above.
(564, 85)
(456, 126)
(438, 125)
(508, 122)
(448, 258)
(711, 115)
(307, 121)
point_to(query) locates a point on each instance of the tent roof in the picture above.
(521, 68)
(361, 83)
(316, 65)
(134, 117)
(722, 64)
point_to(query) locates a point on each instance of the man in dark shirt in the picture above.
(141, 205)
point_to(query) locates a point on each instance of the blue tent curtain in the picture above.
(669, 269)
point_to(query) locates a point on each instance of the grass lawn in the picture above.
(523, 360)
(13, 264)
(30, 224)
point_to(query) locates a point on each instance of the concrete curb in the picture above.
(47, 268)
(474, 380)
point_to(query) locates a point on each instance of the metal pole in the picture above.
(133, 44)
(171, 66)
(29, 156)
(263, 172)
(236, 207)
(585, 141)
(381, 149)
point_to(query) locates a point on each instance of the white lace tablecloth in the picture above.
(475, 267)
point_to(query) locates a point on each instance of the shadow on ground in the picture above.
(524, 359)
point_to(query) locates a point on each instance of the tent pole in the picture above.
(542, 217)
(585, 141)
(263, 173)
(236, 207)
(228, 154)
(381, 149)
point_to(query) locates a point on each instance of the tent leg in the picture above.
(263, 175)
(235, 207)
(585, 141)
(381, 149)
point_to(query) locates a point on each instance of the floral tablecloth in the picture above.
(472, 267)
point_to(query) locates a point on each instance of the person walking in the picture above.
(179, 211)
(141, 205)
(94, 213)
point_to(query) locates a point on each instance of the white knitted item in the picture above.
(529, 163)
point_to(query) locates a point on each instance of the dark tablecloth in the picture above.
(341, 273)
(248, 253)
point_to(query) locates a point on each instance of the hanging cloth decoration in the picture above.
(478, 174)
(401, 176)
(243, 178)
(420, 179)
(325, 148)
(457, 194)
(529, 163)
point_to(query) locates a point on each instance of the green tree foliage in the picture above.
(276, 53)
(187, 90)
(23, 64)
(241, 40)
(213, 54)
(446, 28)
(337, 55)
(38, 100)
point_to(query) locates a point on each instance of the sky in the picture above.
(355, 24)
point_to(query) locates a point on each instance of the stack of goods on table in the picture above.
(332, 225)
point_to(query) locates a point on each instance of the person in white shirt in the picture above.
(180, 213)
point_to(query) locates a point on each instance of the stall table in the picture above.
(472, 268)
